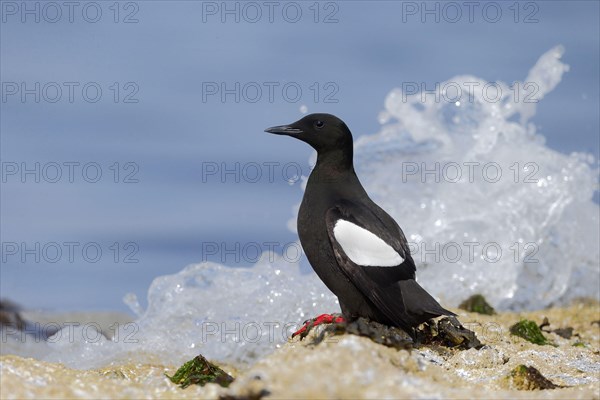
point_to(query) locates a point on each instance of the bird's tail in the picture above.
(419, 304)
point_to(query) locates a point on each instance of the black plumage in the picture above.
(336, 222)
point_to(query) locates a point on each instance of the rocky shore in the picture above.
(330, 365)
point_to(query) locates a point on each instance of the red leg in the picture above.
(321, 319)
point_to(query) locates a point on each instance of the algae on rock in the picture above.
(529, 378)
(477, 304)
(529, 331)
(200, 371)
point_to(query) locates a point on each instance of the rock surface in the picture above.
(350, 366)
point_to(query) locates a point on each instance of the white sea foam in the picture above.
(227, 314)
(527, 238)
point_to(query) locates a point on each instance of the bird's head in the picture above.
(324, 132)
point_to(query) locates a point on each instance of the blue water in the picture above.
(168, 132)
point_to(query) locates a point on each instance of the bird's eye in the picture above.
(319, 124)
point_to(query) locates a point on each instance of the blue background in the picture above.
(172, 133)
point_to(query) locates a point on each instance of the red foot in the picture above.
(321, 319)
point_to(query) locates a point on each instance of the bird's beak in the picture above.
(284, 130)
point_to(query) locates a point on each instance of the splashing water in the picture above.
(487, 207)
(228, 314)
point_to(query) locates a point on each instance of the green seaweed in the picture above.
(529, 331)
(529, 378)
(200, 371)
(477, 304)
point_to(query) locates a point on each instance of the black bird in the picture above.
(353, 245)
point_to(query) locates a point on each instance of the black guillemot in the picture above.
(353, 245)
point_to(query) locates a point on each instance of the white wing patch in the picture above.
(363, 247)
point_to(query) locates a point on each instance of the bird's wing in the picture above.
(372, 253)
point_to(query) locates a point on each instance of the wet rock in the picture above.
(251, 395)
(379, 333)
(453, 334)
(529, 378)
(447, 332)
(565, 333)
(10, 315)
